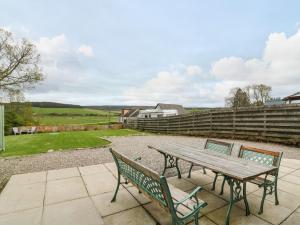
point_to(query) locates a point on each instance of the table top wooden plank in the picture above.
(238, 168)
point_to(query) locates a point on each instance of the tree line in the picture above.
(251, 95)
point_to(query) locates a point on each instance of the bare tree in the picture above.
(19, 63)
(261, 93)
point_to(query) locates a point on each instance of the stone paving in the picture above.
(81, 196)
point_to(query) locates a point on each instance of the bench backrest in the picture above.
(265, 157)
(145, 179)
(218, 146)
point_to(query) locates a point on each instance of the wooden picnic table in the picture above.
(236, 171)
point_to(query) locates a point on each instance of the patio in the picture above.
(82, 196)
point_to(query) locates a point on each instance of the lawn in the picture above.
(80, 116)
(38, 143)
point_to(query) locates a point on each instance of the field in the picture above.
(63, 116)
(39, 143)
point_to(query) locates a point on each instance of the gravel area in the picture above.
(132, 146)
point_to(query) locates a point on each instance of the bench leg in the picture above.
(276, 194)
(245, 199)
(214, 183)
(170, 162)
(236, 195)
(222, 187)
(117, 189)
(261, 209)
(190, 170)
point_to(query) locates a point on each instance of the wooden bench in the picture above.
(182, 207)
(215, 146)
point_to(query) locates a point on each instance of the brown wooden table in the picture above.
(236, 171)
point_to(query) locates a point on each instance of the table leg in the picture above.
(170, 162)
(236, 195)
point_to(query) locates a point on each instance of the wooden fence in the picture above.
(278, 124)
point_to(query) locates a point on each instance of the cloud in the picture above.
(86, 50)
(193, 70)
(279, 64)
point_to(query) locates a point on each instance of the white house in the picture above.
(162, 110)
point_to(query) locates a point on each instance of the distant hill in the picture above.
(53, 105)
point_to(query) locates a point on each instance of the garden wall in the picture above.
(277, 124)
(60, 128)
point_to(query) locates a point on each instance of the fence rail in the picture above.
(278, 124)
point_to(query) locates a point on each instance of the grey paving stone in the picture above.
(62, 173)
(65, 189)
(181, 183)
(292, 179)
(100, 183)
(141, 198)
(285, 199)
(124, 201)
(135, 216)
(289, 187)
(237, 217)
(26, 217)
(76, 212)
(27, 178)
(21, 197)
(200, 179)
(213, 201)
(293, 219)
(89, 170)
(273, 214)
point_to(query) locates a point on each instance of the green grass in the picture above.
(39, 143)
(80, 120)
(80, 116)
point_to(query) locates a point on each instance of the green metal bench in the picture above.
(215, 146)
(269, 181)
(183, 207)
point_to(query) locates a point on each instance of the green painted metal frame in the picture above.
(217, 146)
(267, 158)
(169, 163)
(162, 194)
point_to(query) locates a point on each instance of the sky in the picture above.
(116, 52)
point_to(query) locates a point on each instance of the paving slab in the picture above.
(89, 170)
(28, 178)
(296, 173)
(181, 183)
(285, 199)
(238, 217)
(158, 213)
(21, 197)
(76, 212)
(200, 179)
(123, 201)
(26, 217)
(204, 221)
(293, 219)
(140, 197)
(100, 183)
(289, 187)
(113, 169)
(213, 201)
(130, 217)
(273, 214)
(292, 179)
(291, 163)
(62, 173)
(65, 189)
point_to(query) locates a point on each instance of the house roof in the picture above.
(179, 108)
(132, 113)
(295, 96)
